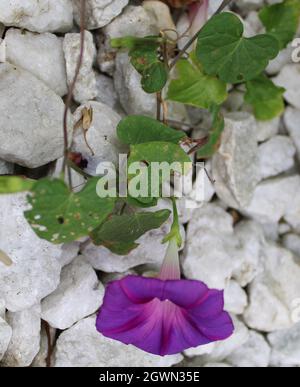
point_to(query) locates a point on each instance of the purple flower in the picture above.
(164, 315)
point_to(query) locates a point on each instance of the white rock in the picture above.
(291, 120)
(283, 58)
(40, 54)
(78, 295)
(37, 15)
(292, 243)
(292, 216)
(31, 119)
(289, 78)
(41, 358)
(246, 5)
(272, 293)
(83, 346)
(2, 51)
(2, 308)
(6, 168)
(5, 336)
(35, 270)
(273, 199)
(134, 21)
(235, 298)
(199, 351)
(210, 249)
(251, 241)
(25, 341)
(128, 86)
(99, 12)
(217, 365)
(285, 347)
(235, 165)
(85, 87)
(267, 129)
(106, 92)
(161, 14)
(224, 348)
(255, 353)
(69, 252)
(276, 156)
(101, 136)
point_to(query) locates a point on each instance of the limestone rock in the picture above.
(36, 269)
(40, 54)
(31, 119)
(273, 292)
(25, 341)
(83, 346)
(85, 88)
(255, 353)
(78, 295)
(99, 12)
(289, 78)
(285, 347)
(276, 156)
(38, 15)
(235, 165)
(5, 336)
(292, 119)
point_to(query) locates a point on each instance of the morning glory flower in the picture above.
(164, 315)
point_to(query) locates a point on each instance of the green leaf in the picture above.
(159, 152)
(214, 139)
(193, 87)
(119, 233)
(281, 20)
(131, 42)
(265, 97)
(154, 77)
(152, 155)
(14, 184)
(140, 129)
(142, 202)
(59, 215)
(143, 57)
(224, 51)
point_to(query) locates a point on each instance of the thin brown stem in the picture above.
(194, 38)
(158, 106)
(49, 342)
(71, 90)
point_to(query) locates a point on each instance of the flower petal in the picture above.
(163, 317)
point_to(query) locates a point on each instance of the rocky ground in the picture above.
(245, 238)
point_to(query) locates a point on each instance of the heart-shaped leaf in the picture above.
(59, 215)
(154, 78)
(281, 20)
(119, 233)
(193, 87)
(140, 129)
(223, 50)
(265, 97)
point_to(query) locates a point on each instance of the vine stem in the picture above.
(194, 38)
(71, 90)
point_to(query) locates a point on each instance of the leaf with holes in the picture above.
(14, 184)
(140, 129)
(154, 77)
(265, 97)
(119, 233)
(193, 87)
(282, 20)
(223, 50)
(59, 215)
